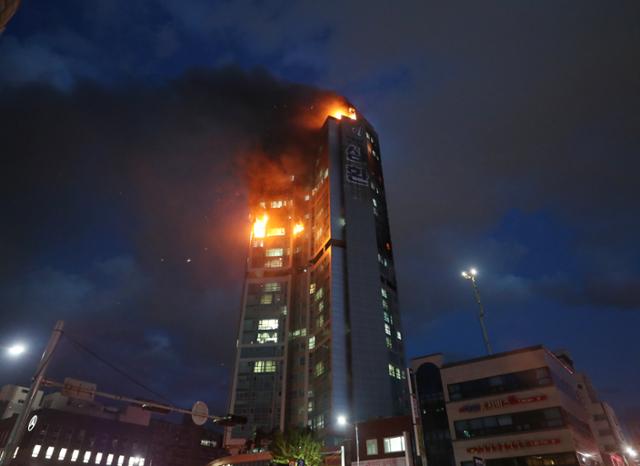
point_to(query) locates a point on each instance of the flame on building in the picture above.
(348, 112)
(298, 228)
(260, 226)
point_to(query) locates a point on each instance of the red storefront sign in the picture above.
(501, 403)
(515, 445)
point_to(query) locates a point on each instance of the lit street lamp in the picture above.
(343, 422)
(471, 276)
(16, 350)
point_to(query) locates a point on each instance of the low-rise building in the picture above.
(518, 408)
(69, 430)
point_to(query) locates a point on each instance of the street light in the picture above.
(13, 441)
(471, 276)
(631, 452)
(342, 421)
(16, 350)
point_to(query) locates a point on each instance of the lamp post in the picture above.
(342, 422)
(471, 276)
(18, 428)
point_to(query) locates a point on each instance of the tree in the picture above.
(294, 445)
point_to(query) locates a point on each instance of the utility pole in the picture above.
(471, 275)
(18, 428)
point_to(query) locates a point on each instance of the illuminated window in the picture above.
(279, 231)
(98, 458)
(266, 298)
(74, 455)
(389, 343)
(385, 305)
(319, 369)
(36, 451)
(310, 406)
(258, 243)
(321, 306)
(398, 376)
(277, 204)
(15, 452)
(320, 321)
(62, 454)
(267, 337)
(273, 286)
(264, 366)
(394, 444)
(275, 252)
(399, 335)
(392, 370)
(372, 446)
(87, 457)
(387, 329)
(141, 463)
(263, 204)
(121, 460)
(319, 294)
(375, 204)
(49, 453)
(109, 459)
(384, 293)
(274, 263)
(312, 342)
(268, 324)
(312, 288)
(386, 318)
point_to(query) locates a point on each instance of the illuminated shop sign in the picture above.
(501, 403)
(515, 445)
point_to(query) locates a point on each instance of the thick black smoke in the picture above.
(125, 213)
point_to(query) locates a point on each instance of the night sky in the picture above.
(510, 135)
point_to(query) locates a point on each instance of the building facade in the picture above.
(518, 408)
(605, 426)
(13, 398)
(431, 412)
(66, 430)
(320, 332)
(383, 442)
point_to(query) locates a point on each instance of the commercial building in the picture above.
(605, 426)
(319, 333)
(518, 408)
(12, 399)
(67, 430)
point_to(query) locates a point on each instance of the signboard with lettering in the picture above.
(515, 445)
(501, 403)
(356, 165)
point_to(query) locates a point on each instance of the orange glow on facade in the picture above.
(260, 226)
(298, 228)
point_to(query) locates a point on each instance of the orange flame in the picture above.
(349, 112)
(260, 226)
(298, 228)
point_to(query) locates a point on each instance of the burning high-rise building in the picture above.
(320, 335)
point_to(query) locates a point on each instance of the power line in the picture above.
(117, 369)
